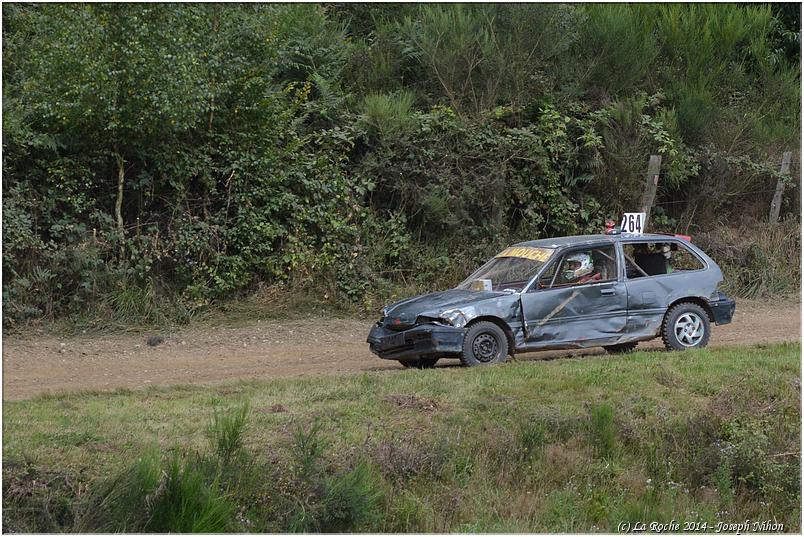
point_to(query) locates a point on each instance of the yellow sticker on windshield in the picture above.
(528, 252)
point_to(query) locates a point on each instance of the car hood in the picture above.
(435, 303)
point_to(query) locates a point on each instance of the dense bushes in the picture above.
(158, 158)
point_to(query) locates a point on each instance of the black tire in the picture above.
(485, 343)
(686, 326)
(621, 348)
(419, 363)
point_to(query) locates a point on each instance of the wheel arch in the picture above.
(509, 334)
(697, 301)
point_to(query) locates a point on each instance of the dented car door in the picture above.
(580, 313)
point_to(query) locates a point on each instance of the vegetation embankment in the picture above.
(565, 445)
(159, 159)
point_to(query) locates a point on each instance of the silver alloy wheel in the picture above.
(689, 329)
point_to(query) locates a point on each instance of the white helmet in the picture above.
(577, 266)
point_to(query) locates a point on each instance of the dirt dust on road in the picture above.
(38, 364)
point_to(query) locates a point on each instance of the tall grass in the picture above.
(182, 494)
(603, 434)
(120, 504)
(187, 502)
(758, 260)
(387, 114)
(307, 449)
(345, 500)
(352, 500)
(226, 431)
(131, 303)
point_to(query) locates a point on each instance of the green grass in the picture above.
(576, 444)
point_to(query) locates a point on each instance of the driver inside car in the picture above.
(578, 268)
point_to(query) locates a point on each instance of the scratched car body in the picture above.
(611, 290)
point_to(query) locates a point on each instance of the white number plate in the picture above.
(633, 223)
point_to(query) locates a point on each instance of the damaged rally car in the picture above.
(610, 290)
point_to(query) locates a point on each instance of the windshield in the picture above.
(510, 269)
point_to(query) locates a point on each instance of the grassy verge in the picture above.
(565, 445)
(270, 302)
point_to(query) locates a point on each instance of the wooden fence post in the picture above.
(776, 203)
(651, 183)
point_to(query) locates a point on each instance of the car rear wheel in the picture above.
(686, 326)
(620, 348)
(485, 343)
(419, 363)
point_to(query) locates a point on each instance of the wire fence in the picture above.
(732, 194)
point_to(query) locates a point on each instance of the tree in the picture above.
(120, 79)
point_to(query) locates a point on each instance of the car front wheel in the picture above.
(686, 326)
(485, 343)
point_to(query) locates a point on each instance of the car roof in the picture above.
(574, 240)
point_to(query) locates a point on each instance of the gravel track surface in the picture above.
(36, 364)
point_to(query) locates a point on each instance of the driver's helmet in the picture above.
(577, 266)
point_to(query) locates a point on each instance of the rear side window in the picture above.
(644, 259)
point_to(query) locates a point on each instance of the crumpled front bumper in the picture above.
(722, 309)
(419, 341)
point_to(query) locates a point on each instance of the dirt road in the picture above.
(35, 365)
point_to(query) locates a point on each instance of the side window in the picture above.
(682, 259)
(590, 265)
(632, 270)
(547, 276)
(644, 259)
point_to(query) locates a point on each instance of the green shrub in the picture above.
(352, 501)
(748, 454)
(721, 480)
(306, 450)
(187, 502)
(147, 497)
(345, 501)
(227, 430)
(388, 114)
(121, 503)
